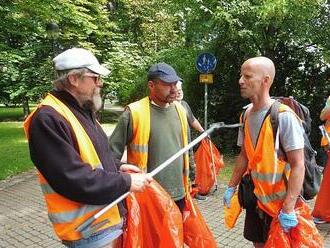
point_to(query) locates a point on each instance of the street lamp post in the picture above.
(52, 31)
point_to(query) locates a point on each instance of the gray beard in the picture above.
(97, 101)
(95, 104)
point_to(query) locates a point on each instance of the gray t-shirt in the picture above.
(289, 127)
(164, 141)
(190, 116)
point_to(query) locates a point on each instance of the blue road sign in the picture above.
(206, 62)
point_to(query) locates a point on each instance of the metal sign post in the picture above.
(205, 64)
(205, 106)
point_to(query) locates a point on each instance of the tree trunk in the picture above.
(26, 108)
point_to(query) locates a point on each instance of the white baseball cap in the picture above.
(76, 58)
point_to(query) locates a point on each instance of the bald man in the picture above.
(276, 185)
(195, 124)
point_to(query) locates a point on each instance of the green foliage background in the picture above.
(129, 36)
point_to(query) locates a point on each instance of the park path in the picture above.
(24, 221)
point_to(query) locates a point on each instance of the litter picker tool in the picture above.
(87, 228)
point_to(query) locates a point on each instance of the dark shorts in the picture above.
(257, 224)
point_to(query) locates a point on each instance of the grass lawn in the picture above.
(11, 113)
(14, 155)
(225, 173)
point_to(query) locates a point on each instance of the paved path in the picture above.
(24, 221)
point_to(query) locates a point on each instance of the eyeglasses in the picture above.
(96, 76)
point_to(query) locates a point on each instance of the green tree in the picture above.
(28, 48)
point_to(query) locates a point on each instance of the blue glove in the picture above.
(288, 221)
(228, 195)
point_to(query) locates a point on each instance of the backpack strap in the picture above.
(274, 122)
(274, 116)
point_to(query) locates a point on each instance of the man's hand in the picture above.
(139, 181)
(288, 220)
(228, 195)
(129, 168)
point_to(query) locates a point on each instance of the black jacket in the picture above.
(54, 151)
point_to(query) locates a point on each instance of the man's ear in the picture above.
(267, 81)
(73, 79)
(151, 84)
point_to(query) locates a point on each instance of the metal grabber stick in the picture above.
(86, 228)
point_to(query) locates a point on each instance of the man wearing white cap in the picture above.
(76, 170)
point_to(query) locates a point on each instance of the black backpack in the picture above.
(313, 172)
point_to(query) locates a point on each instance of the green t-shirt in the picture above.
(164, 141)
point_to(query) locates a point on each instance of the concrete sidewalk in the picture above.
(24, 221)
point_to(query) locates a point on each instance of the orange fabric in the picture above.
(322, 203)
(195, 230)
(262, 161)
(305, 234)
(56, 203)
(325, 116)
(153, 220)
(232, 213)
(205, 177)
(324, 141)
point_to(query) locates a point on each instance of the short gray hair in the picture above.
(61, 81)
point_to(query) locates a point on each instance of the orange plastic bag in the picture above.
(232, 213)
(205, 173)
(195, 230)
(305, 234)
(153, 220)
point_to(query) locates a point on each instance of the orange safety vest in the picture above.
(66, 215)
(324, 141)
(269, 174)
(137, 150)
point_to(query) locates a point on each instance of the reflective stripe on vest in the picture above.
(139, 148)
(137, 151)
(65, 214)
(268, 173)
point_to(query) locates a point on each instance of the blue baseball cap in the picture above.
(163, 72)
